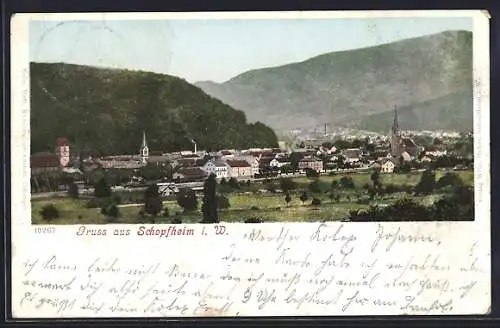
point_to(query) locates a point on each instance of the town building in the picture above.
(352, 155)
(62, 151)
(158, 160)
(280, 162)
(43, 163)
(122, 162)
(216, 167)
(239, 169)
(311, 163)
(387, 165)
(253, 161)
(190, 174)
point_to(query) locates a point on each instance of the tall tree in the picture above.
(304, 197)
(287, 184)
(209, 206)
(294, 160)
(102, 189)
(186, 198)
(73, 191)
(152, 200)
(375, 177)
(427, 182)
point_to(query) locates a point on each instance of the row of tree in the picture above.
(458, 206)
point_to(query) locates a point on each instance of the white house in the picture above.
(279, 162)
(387, 166)
(216, 167)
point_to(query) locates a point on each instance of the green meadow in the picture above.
(267, 206)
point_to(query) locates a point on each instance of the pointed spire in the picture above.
(395, 124)
(144, 143)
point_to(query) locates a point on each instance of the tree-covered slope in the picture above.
(106, 110)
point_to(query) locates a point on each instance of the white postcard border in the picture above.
(26, 244)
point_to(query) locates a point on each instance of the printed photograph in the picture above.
(251, 120)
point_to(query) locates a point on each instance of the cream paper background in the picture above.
(253, 269)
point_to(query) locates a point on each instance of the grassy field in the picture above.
(410, 179)
(268, 206)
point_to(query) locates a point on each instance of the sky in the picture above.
(217, 50)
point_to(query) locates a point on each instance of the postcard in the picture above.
(250, 164)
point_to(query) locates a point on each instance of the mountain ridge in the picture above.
(361, 82)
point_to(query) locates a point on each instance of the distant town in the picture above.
(310, 154)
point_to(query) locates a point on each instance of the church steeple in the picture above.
(395, 124)
(395, 136)
(144, 150)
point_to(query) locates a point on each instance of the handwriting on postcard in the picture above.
(305, 269)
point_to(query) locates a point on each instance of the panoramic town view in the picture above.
(376, 130)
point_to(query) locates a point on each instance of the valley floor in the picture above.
(266, 206)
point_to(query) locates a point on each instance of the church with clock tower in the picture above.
(402, 148)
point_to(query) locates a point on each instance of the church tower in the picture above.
(395, 137)
(144, 151)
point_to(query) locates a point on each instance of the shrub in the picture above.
(287, 184)
(310, 173)
(233, 183)
(346, 182)
(316, 202)
(315, 187)
(113, 211)
(186, 198)
(102, 189)
(449, 179)
(49, 212)
(255, 208)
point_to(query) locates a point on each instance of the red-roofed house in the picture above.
(311, 163)
(190, 174)
(239, 169)
(44, 163)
